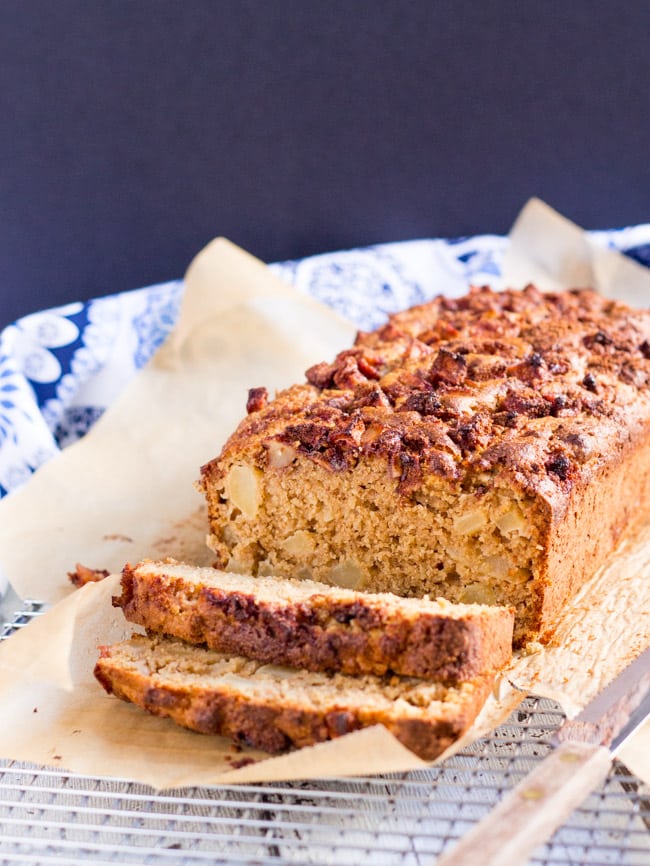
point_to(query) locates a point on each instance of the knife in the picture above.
(582, 755)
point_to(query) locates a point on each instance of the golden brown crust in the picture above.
(535, 386)
(599, 515)
(83, 575)
(277, 723)
(330, 630)
(543, 397)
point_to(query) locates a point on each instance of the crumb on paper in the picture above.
(242, 762)
(165, 542)
(533, 647)
(184, 540)
(83, 575)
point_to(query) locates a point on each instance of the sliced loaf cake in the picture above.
(316, 626)
(274, 708)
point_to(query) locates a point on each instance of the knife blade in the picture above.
(583, 750)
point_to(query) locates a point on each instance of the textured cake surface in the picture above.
(493, 448)
(315, 626)
(274, 708)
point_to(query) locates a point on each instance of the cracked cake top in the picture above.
(539, 386)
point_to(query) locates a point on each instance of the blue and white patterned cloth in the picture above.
(61, 369)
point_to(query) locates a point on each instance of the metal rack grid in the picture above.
(49, 816)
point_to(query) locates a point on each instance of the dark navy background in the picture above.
(133, 131)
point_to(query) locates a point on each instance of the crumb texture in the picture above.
(465, 449)
(316, 626)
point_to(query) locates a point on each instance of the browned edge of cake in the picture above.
(276, 723)
(328, 630)
(601, 514)
(539, 401)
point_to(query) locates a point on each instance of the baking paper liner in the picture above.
(126, 491)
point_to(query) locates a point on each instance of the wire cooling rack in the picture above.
(49, 816)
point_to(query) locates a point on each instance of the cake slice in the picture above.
(315, 626)
(493, 448)
(273, 708)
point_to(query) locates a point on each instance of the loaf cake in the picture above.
(315, 626)
(273, 708)
(493, 448)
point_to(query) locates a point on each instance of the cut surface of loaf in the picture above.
(316, 626)
(274, 708)
(492, 448)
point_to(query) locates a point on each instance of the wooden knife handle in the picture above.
(529, 814)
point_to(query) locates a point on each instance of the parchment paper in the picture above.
(125, 491)
(549, 250)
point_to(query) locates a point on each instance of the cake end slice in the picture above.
(276, 708)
